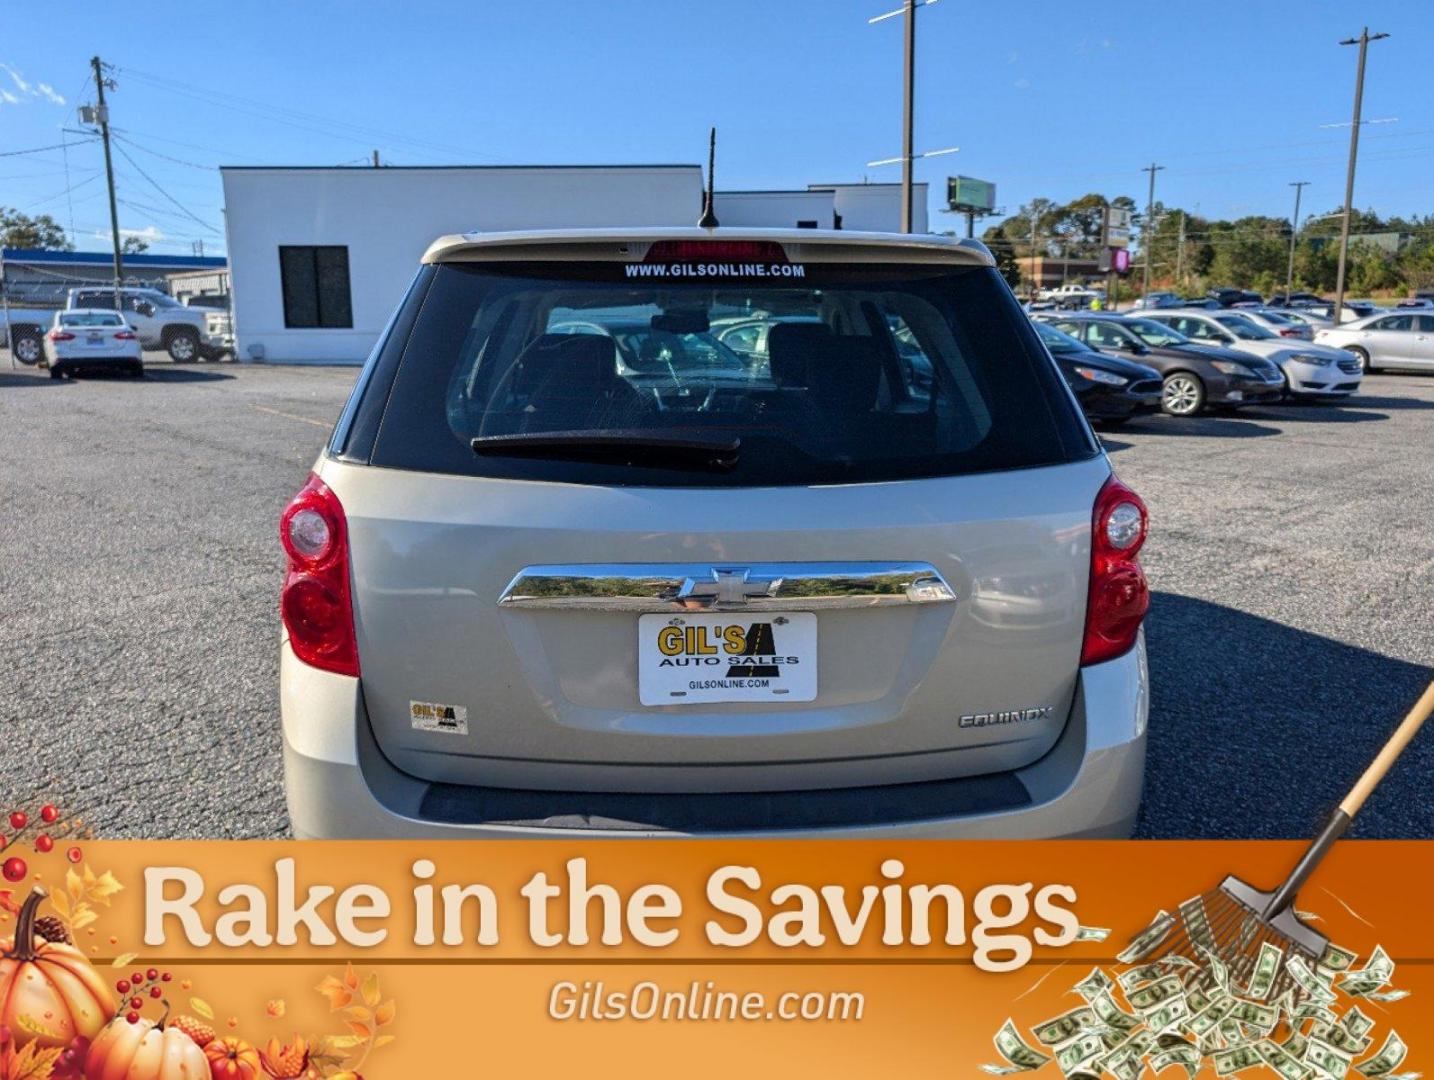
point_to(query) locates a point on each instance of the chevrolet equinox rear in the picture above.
(712, 532)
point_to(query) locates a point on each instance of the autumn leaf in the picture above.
(371, 994)
(351, 979)
(336, 1043)
(74, 885)
(123, 960)
(337, 993)
(363, 1031)
(61, 903)
(384, 1014)
(25, 1022)
(359, 1013)
(102, 888)
(276, 1008)
(202, 1007)
(7, 902)
(84, 915)
(33, 1063)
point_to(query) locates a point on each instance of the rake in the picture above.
(1233, 922)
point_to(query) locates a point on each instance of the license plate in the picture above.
(94, 339)
(700, 658)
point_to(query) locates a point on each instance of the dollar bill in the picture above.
(1064, 1028)
(1168, 1015)
(1387, 995)
(1355, 1022)
(1218, 971)
(1208, 1019)
(1144, 973)
(1236, 1059)
(1336, 959)
(1376, 973)
(1197, 923)
(1149, 939)
(1308, 981)
(1313, 1010)
(1338, 1036)
(1391, 1055)
(1010, 1045)
(1094, 984)
(1153, 995)
(1295, 1044)
(1077, 1053)
(1092, 933)
(1328, 1059)
(1262, 1017)
(1186, 1056)
(1281, 1060)
(1112, 1015)
(1267, 966)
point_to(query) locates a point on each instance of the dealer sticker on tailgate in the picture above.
(696, 659)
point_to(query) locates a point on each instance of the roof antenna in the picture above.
(708, 220)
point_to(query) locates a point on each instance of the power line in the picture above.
(42, 149)
(155, 184)
(165, 157)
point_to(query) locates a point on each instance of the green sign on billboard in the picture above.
(967, 193)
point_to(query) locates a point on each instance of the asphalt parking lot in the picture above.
(1292, 556)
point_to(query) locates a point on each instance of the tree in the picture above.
(1004, 250)
(134, 245)
(42, 233)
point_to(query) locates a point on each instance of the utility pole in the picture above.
(1180, 255)
(375, 159)
(102, 114)
(1147, 235)
(1036, 275)
(1363, 42)
(908, 108)
(1299, 186)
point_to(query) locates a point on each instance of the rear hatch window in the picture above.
(587, 372)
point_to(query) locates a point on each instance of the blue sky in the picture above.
(1044, 98)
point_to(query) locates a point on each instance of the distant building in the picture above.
(1047, 272)
(320, 257)
(41, 278)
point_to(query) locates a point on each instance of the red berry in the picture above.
(68, 1057)
(132, 1017)
(48, 814)
(43, 844)
(166, 977)
(136, 1003)
(152, 974)
(155, 992)
(14, 869)
(19, 819)
(137, 978)
(74, 854)
(122, 986)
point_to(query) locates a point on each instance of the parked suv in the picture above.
(537, 589)
(161, 321)
(1194, 377)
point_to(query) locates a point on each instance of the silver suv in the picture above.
(570, 565)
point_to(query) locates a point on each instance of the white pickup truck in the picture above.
(160, 321)
(1070, 296)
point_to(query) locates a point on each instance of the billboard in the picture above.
(965, 193)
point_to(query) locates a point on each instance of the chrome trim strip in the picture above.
(725, 587)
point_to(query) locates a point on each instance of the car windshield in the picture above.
(1155, 334)
(90, 318)
(1056, 340)
(576, 372)
(1243, 328)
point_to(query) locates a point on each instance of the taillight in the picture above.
(61, 335)
(1290, 332)
(124, 335)
(315, 604)
(1119, 596)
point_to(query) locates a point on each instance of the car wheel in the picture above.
(1183, 394)
(28, 348)
(183, 346)
(1363, 358)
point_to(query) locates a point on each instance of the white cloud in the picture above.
(1022, 84)
(150, 233)
(27, 91)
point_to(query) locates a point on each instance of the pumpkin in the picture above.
(49, 994)
(144, 1050)
(232, 1059)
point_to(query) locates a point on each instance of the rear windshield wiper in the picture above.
(718, 453)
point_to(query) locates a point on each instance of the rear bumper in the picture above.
(71, 362)
(340, 786)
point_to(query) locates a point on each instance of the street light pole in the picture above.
(1365, 37)
(1146, 236)
(907, 117)
(1299, 186)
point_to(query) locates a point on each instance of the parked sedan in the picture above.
(1403, 340)
(1193, 376)
(1309, 370)
(88, 339)
(1110, 390)
(1277, 322)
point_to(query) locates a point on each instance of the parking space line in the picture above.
(293, 416)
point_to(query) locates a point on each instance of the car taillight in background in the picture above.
(316, 604)
(124, 335)
(61, 335)
(1119, 596)
(1290, 331)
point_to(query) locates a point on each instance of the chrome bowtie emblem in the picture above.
(730, 586)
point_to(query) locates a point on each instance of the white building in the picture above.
(320, 257)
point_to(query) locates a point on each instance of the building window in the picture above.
(315, 281)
